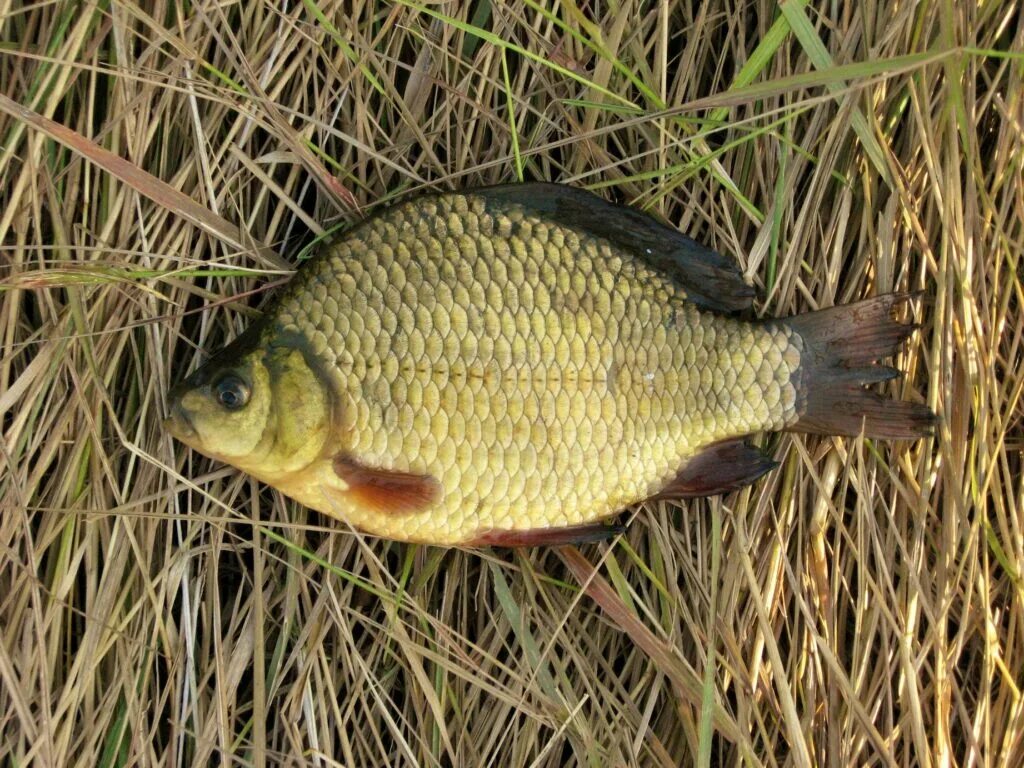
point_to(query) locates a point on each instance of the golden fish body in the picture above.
(487, 366)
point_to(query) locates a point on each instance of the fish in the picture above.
(517, 365)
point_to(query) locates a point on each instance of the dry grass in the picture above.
(863, 605)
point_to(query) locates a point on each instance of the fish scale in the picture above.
(514, 364)
(498, 417)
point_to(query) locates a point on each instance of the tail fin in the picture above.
(841, 347)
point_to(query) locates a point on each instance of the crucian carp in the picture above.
(514, 365)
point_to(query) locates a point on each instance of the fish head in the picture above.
(258, 405)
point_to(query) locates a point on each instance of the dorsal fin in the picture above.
(709, 279)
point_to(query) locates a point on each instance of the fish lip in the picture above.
(179, 423)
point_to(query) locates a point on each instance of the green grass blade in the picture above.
(760, 58)
(820, 57)
(342, 43)
(495, 40)
(510, 103)
(521, 629)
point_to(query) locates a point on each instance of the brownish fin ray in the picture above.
(841, 347)
(719, 468)
(546, 537)
(386, 491)
(711, 280)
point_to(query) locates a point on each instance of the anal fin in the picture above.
(719, 468)
(546, 537)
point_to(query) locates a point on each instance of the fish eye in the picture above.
(231, 391)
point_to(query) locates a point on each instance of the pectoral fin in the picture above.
(388, 492)
(719, 468)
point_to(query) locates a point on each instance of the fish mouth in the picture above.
(179, 424)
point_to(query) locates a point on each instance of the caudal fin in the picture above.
(841, 348)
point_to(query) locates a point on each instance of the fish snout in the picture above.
(179, 423)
